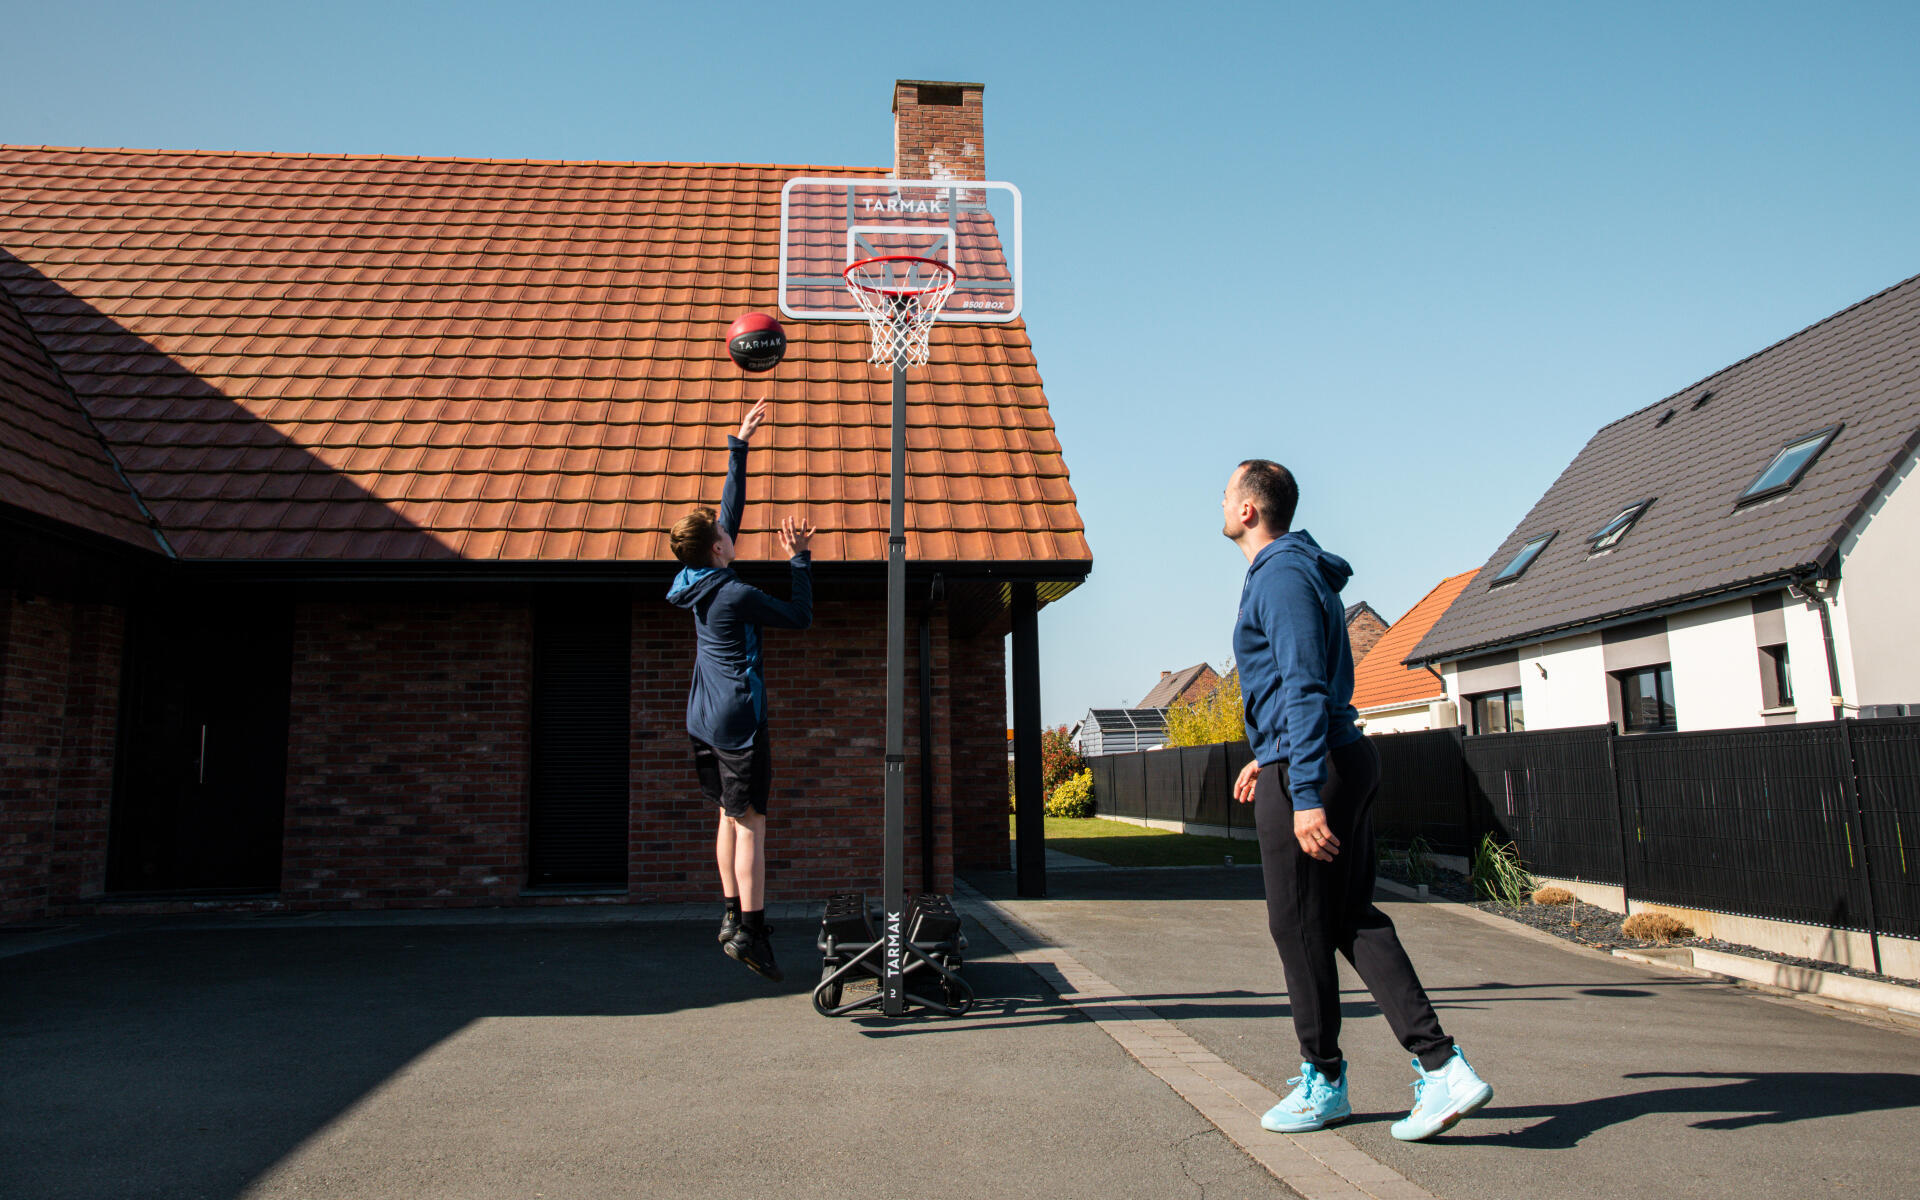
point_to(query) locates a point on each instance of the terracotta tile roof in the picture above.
(311, 357)
(1382, 678)
(51, 461)
(1693, 454)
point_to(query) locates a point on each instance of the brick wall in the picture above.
(978, 739)
(826, 702)
(407, 755)
(1363, 631)
(59, 683)
(934, 138)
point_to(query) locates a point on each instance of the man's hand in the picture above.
(1315, 838)
(751, 421)
(793, 533)
(1243, 786)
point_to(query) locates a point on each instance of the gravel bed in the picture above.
(1591, 925)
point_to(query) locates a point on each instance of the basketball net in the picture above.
(902, 297)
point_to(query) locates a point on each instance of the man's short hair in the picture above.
(694, 536)
(1272, 490)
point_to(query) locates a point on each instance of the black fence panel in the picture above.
(1207, 788)
(1550, 793)
(1886, 764)
(1422, 790)
(1164, 801)
(1755, 821)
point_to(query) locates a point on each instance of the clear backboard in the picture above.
(828, 224)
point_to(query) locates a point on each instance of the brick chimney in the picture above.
(938, 132)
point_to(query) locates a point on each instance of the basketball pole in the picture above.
(893, 984)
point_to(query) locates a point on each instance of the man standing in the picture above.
(1312, 783)
(727, 704)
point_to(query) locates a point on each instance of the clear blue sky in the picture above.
(1417, 252)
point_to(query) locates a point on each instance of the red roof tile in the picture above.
(1381, 679)
(367, 358)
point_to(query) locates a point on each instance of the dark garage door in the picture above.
(580, 737)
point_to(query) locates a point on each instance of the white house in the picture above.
(1744, 552)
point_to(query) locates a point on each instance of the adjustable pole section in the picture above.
(893, 987)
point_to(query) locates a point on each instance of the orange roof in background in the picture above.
(1380, 678)
(363, 358)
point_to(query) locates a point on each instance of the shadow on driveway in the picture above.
(188, 1063)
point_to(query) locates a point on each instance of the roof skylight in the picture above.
(1524, 559)
(1610, 534)
(1789, 465)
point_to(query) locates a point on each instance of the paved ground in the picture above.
(567, 1060)
(568, 1057)
(1611, 1079)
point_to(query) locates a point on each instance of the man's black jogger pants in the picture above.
(1315, 909)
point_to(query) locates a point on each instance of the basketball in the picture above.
(756, 342)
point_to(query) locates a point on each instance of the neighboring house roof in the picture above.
(1355, 609)
(1173, 685)
(1381, 679)
(335, 358)
(1693, 454)
(1111, 720)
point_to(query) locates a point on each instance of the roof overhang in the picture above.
(1772, 581)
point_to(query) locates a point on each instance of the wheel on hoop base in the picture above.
(827, 998)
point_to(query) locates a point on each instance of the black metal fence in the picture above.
(1193, 784)
(1817, 823)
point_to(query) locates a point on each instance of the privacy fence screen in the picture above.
(1817, 823)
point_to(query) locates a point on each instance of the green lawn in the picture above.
(1119, 844)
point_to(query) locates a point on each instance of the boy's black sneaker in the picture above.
(729, 925)
(756, 952)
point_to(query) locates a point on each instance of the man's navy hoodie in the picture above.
(728, 701)
(1296, 668)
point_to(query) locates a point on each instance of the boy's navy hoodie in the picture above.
(1296, 668)
(728, 701)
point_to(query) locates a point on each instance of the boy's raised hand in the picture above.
(794, 535)
(751, 421)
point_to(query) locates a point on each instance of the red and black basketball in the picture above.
(756, 342)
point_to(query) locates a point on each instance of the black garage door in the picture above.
(580, 737)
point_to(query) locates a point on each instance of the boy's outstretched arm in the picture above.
(733, 499)
(796, 613)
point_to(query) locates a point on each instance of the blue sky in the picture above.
(1419, 253)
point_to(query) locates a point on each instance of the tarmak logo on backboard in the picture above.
(896, 203)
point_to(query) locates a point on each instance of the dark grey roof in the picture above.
(1170, 687)
(1355, 609)
(1150, 719)
(1860, 367)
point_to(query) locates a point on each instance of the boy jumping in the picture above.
(727, 705)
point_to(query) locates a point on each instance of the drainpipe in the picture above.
(1813, 591)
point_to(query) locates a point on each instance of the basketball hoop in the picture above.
(902, 296)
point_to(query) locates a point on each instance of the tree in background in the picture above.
(1059, 761)
(1216, 717)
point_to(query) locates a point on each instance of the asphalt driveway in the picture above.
(563, 1060)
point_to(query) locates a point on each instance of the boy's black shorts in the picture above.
(736, 780)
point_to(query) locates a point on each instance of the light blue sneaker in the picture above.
(1314, 1103)
(1441, 1098)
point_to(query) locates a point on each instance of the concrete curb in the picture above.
(1828, 989)
(1317, 1166)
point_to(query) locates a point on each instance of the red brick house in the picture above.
(333, 494)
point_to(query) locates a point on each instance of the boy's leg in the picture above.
(724, 854)
(706, 764)
(749, 837)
